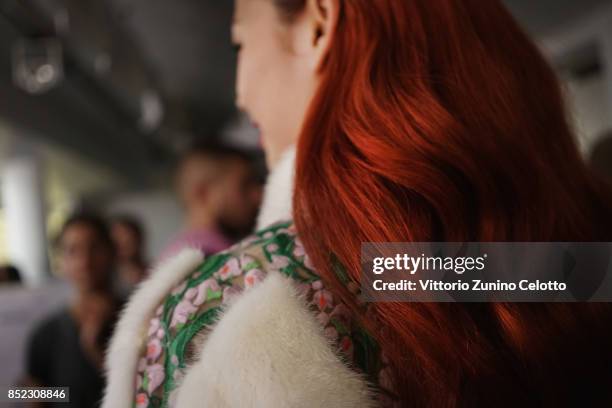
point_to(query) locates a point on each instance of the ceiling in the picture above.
(178, 51)
(188, 43)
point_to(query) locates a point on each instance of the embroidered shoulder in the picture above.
(193, 306)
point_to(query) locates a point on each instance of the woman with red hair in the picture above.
(413, 120)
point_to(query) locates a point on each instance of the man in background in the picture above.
(220, 191)
(67, 348)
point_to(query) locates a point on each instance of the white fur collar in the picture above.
(276, 205)
(122, 355)
(268, 350)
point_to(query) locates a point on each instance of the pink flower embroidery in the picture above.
(247, 261)
(323, 318)
(154, 349)
(230, 270)
(253, 277)
(322, 299)
(191, 293)
(160, 334)
(298, 250)
(331, 333)
(142, 401)
(308, 263)
(156, 376)
(279, 262)
(272, 248)
(154, 325)
(182, 312)
(203, 289)
(282, 231)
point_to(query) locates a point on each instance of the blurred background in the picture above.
(99, 100)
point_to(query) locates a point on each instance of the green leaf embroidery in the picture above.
(176, 340)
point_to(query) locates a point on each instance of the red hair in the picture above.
(439, 120)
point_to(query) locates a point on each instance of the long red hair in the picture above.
(439, 120)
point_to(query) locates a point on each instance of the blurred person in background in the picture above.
(600, 158)
(9, 274)
(67, 348)
(218, 188)
(128, 236)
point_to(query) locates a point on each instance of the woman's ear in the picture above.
(319, 25)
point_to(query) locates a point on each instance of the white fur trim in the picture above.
(122, 355)
(268, 351)
(276, 204)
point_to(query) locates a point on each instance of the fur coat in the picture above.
(248, 360)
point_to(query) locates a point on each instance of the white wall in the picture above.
(24, 210)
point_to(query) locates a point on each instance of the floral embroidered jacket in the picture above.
(180, 326)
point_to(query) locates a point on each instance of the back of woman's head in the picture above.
(439, 120)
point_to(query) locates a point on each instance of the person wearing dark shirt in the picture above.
(67, 348)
